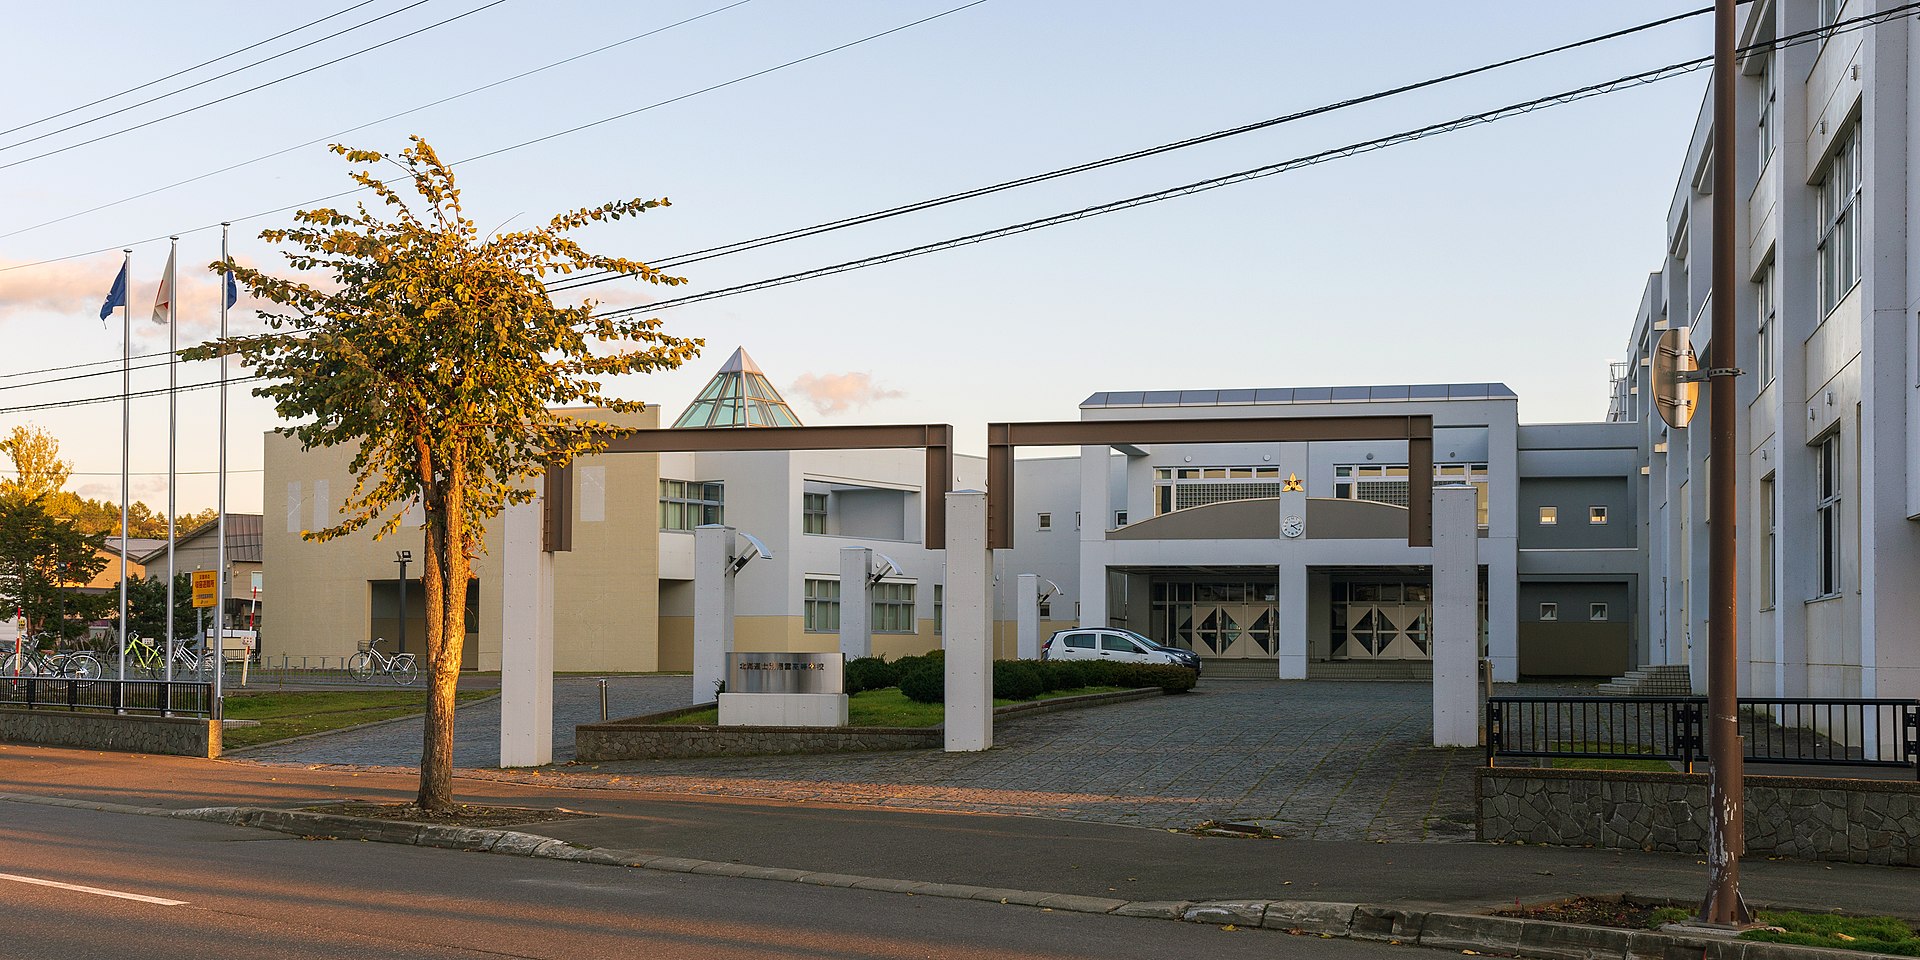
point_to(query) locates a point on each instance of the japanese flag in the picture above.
(163, 301)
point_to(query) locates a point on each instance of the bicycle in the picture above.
(143, 655)
(370, 661)
(30, 662)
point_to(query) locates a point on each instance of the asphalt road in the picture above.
(229, 892)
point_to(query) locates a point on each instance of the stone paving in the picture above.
(1318, 759)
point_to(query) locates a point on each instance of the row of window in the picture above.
(1550, 612)
(1837, 252)
(685, 504)
(1550, 516)
(890, 610)
(1182, 488)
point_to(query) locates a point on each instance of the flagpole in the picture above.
(173, 417)
(220, 506)
(126, 438)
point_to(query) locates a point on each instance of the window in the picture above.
(1827, 483)
(939, 610)
(1769, 511)
(1113, 643)
(1387, 482)
(1080, 641)
(1597, 515)
(1765, 134)
(892, 607)
(1076, 519)
(1046, 609)
(1830, 11)
(685, 504)
(1046, 521)
(1839, 248)
(1596, 611)
(1182, 488)
(821, 607)
(1119, 519)
(813, 509)
(1549, 516)
(1549, 611)
(1763, 357)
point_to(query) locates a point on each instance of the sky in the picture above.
(1513, 252)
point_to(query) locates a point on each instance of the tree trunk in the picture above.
(448, 563)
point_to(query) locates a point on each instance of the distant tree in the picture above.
(436, 352)
(44, 561)
(37, 470)
(147, 606)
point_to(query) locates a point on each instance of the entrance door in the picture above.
(1383, 631)
(1221, 619)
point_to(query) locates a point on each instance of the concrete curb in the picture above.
(1405, 925)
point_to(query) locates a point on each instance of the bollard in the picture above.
(603, 699)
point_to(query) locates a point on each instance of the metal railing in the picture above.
(1829, 732)
(177, 698)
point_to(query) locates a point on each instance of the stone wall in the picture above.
(1811, 818)
(175, 736)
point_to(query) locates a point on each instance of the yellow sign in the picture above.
(1293, 484)
(205, 584)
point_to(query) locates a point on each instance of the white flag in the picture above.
(164, 299)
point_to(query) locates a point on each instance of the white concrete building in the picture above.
(1825, 330)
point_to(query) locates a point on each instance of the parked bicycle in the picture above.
(370, 661)
(143, 656)
(31, 661)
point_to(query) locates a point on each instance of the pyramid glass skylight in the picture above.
(739, 395)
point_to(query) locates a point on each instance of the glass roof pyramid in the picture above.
(739, 395)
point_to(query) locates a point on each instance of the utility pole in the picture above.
(401, 557)
(1726, 835)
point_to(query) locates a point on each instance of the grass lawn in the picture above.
(1607, 763)
(284, 715)
(1871, 934)
(891, 708)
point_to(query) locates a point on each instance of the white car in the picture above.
(1115, 644)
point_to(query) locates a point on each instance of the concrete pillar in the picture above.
(1027, 617)
(969, 723)
(1456, 617)
(856, 602)
(713, 547)
(526, 640)
(1096, 507)
(1293, 621)
(1503, 607)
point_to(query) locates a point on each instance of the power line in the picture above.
(890, 212)
(176, 73)
(334, 137)
(351, 192)
(1472, 120)
(241, 93)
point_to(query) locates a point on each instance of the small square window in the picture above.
(1549, 611)
(1076, 519)
(1046, 521)
(1549, 516)
(1596, 611)
(1046, 609)
(1597, 515)
(1119, 518)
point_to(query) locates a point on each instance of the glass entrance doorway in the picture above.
(1215, 619)
(1382, 621)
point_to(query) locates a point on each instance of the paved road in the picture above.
(243, 894)
(1308, 760)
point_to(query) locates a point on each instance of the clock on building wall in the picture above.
(1293, 527)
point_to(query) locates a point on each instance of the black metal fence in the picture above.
(1831, 732)
(177, 698)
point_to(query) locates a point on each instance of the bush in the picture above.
(925, 680)
(1167, 677)
(1017, 680)
(871, 673)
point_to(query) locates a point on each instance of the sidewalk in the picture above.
(1087, 859)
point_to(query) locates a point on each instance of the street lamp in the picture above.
(401, 557)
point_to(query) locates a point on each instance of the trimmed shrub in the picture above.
(1166, 676)
(871, 673)
(1017, 680)
(924, 681)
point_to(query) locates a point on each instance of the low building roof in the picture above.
(1384, 393)
(243, 540)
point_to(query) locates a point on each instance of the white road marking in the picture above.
(93, 890)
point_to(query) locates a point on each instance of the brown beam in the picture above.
(556, 510)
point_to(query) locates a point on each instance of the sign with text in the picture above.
(205, 584)
(786, 673)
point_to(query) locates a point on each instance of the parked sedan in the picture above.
(1113, 643)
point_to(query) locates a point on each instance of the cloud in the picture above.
(76, 289)
(834, 392)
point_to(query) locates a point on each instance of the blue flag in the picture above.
(117, 297)
(233, 290)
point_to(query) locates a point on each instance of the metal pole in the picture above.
(126, 441)
(1725, 840)
(173, 431)
(222, 590)
(603, 699)
(401, 646)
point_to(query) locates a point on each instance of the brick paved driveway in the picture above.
(1322, 760)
